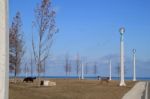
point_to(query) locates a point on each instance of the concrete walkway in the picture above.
(136, 92)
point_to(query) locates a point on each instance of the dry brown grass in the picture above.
(70, 89)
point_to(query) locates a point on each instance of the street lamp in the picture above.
(82, 71)
(4, 50)
(110, 70)
(134, 70)
(122, 30)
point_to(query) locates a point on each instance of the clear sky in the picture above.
(91, 28)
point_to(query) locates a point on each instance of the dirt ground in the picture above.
(70, 89)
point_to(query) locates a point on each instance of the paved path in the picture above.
(146, 94)
(137, 92)
(148, 90)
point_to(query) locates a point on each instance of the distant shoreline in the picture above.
(88, 77)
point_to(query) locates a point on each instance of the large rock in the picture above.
(48, 83)
(52, 83)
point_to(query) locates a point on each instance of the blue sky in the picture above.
(91, 29)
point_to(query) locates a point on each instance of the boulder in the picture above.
(52, 83)
(48, 83)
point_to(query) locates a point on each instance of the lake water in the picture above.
(95, 77)
(90, 77)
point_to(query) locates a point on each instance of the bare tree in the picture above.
(67, 64)
(45, 29)
(118, 69)
(16, 45)
(86, 68)
(95, 68)
(31, 65)
(26, 69)
(44, 65)
(70, 67)
(78, 63)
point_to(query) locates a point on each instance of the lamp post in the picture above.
(4, 49)
(82, 71)
(110, 70)
(122, 30)
(134, 68)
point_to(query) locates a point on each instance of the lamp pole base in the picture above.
(134, 79)
(122, 84)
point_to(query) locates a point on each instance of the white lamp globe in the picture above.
(134, 50)
(122, 30)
